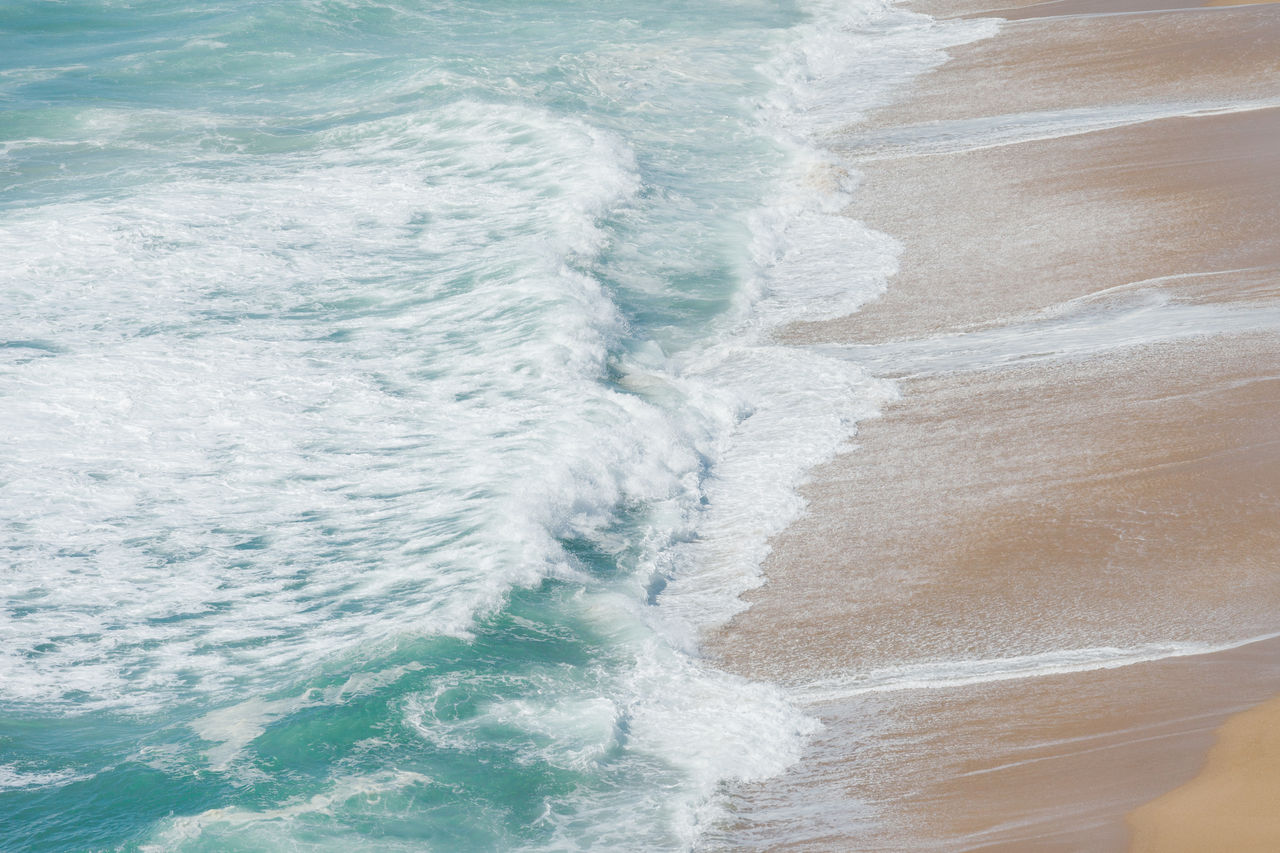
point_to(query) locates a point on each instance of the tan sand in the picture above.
(1045, 492)
(1234, 804)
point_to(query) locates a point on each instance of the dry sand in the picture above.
(1083, 468)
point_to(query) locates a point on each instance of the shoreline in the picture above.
(1085, 329)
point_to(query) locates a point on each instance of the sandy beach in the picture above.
(1027, 597)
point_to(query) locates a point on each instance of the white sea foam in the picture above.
(853, 57)
(661, 713)
(654, 713)
(971, 134)
(14, 778)
(810, 261)
(197, 412)
(234, 727)
(797, 409)
(965, 673)
(274, 828)
(1133, 315)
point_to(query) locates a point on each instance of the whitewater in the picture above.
(388, 402)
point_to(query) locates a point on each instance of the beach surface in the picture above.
(1026, 597)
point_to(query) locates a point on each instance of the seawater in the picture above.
(387, 401)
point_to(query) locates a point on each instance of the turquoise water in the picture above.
(387, 402)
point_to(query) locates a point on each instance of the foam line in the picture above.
(14, 778)
(965, 673)
(1187, 10)
(177, 830)
(1075, 329)
(974, 134)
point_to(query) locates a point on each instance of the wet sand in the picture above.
(1202, 57)
(1016, 228)
(1042, 764)
(1126, 498)
(1083, 469)
(1016, 9)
